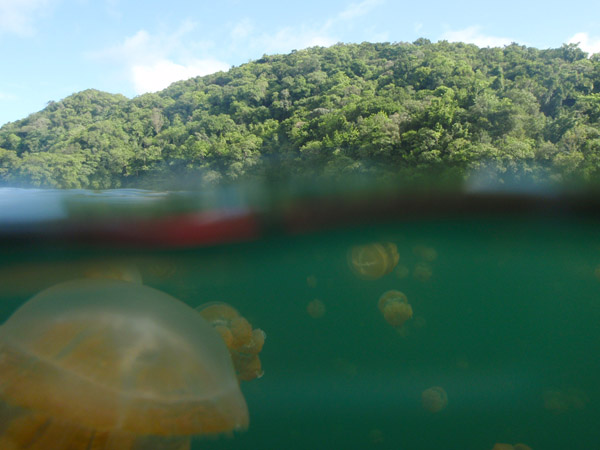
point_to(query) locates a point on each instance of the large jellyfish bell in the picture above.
(113, 365)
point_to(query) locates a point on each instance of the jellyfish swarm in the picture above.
(373, 261)
(434, 399)
(243, 342)
(395, 308)
(113, 365)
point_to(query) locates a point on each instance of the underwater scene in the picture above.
(464, 331)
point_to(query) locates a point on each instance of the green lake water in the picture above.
(508, 324)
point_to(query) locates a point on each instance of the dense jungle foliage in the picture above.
(387, 110)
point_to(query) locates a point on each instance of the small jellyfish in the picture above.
(434, 399)
(345, 367)
(161, 268)
(373, 261)
(558, 401)
(402, 271)
(462, 362)
(555, 401)
(500, 446)
(376, 436)
(577, 398)
(316, 308)
(420, 322)
(114, 271)
(244, 342)
(422, 272)
(395, 308)
(424, 253)
(311, 281)
(112, 364)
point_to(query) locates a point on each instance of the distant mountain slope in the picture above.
(386, 109)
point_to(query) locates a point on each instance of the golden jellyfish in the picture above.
(373, 261)
(500, 446)
(422, 272)
(424, 253)
(376, 436)
(558, 401)
(434, 399)
(462, 362)
(243, 342)
(402, 271)
(114, 271)
(346, 368)
(114, 365)
(161, 268)
(395, 308)
(316, 308)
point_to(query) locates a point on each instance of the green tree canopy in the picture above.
(385, 109)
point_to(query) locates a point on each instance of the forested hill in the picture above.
(385, 109)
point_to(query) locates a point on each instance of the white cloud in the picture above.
(303, 36)
(143, 46)
(18, 16)
(473, 35)
(373, 34)
(5, 96)
(152, 62)
(353, 11)
(358, 9)
(112, 9)
(246, 38)
(586, 42)
(242, 29)
(134, 47)
(160, 74)
(289, 38)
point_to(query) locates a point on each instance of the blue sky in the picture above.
(53, 48)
